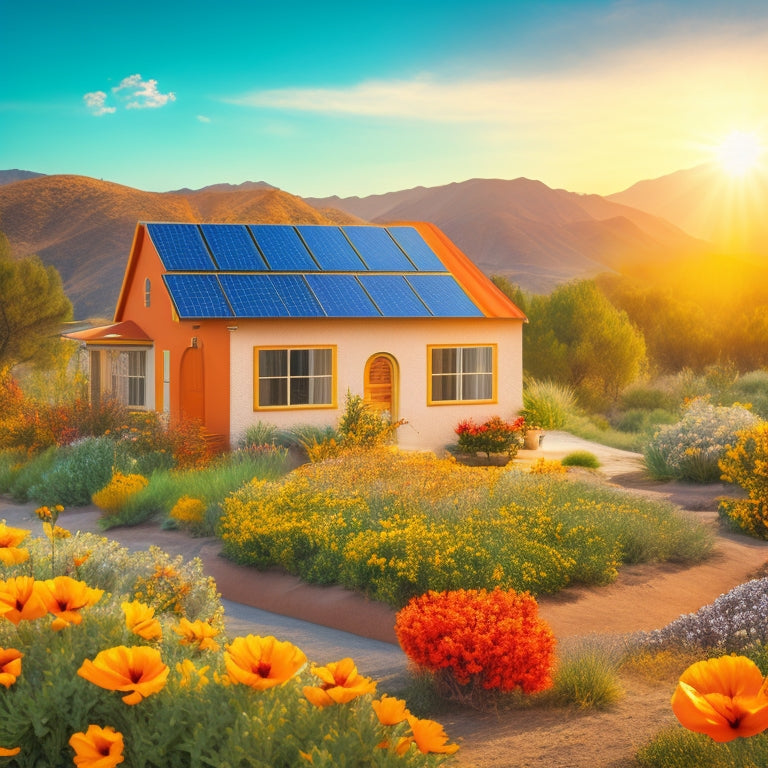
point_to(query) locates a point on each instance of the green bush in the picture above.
(547, 404)
(79, 470)
(258, 434)
(587, 677)
(691, 449)
(676, 747)
(647, 398)
(580, 459)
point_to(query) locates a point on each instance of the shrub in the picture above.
(587, 677)
(544, 466)
(733, 622)
(692, 448)
(548, 404)
(752, 387)
(79, 470)
(493, 436)
(746, 464)
(115, 494)
(189, 512)
(580, 459)
(648, 398)
(260, 433)
(475, 641)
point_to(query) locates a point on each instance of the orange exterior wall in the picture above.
(160, 323)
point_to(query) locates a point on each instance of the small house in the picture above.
(234, 324)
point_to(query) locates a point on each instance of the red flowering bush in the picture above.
(494, 436)
(475, 641)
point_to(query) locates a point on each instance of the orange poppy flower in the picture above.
(10, 666)
(429, 736)
(4, 752)
(20, 598)
(724, 698)
(262, 662)
(199, 633)
(10, 538)
(140, 619)
(138, 669)
(64, 597)
(97, 747)
(390, 710)
(341, 683)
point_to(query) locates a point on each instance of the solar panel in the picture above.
(197, 296)
(377, 249)
(444, 296)
(296, 296)
(393, 296)
(181, 247)
(411, 241)
(341, 296)
(282, 247)
(232, 247)
(330, 248)
(252, 295)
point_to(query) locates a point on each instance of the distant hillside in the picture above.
(84, 227)
(8, 177)
(536, 236)
(729, 212)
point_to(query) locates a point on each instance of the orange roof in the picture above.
(126, 332)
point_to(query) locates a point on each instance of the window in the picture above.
(289, 378)
(120, 374)
(147, 292)
(459, 374)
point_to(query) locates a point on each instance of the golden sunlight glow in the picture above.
(739, 152)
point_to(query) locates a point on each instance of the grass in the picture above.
(212, 484)
(587, 677)
(675, 747)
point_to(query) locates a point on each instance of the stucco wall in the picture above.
(429, 427)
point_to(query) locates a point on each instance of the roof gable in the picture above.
(278, 270)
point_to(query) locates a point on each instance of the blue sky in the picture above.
(356, 99)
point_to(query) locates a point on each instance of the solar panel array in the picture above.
(280, 270)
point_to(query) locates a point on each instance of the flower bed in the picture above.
(399, 525)
(108, 657)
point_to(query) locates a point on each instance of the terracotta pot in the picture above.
(533, 438)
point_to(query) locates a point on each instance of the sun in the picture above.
(739, 153)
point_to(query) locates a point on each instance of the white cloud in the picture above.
(203, 119)
(95, 101)
(142, 94)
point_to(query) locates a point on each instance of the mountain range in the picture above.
(536, 236)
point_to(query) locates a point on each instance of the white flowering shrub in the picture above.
(736, 620)
(692, 448)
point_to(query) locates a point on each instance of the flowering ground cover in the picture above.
(397, 525)
(108, 657)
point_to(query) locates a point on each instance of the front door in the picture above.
(381, 384)
(192, 385)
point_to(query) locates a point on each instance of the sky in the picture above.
(355, 98)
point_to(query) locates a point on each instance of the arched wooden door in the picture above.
(380, 389)
(192, 384)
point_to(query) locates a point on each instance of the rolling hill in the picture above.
(84, 227)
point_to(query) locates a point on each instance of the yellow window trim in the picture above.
(494, 374)
(304, 407)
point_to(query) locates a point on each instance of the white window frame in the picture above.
(126, 374)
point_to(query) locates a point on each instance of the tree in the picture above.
(580, 338)
(33, 306)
